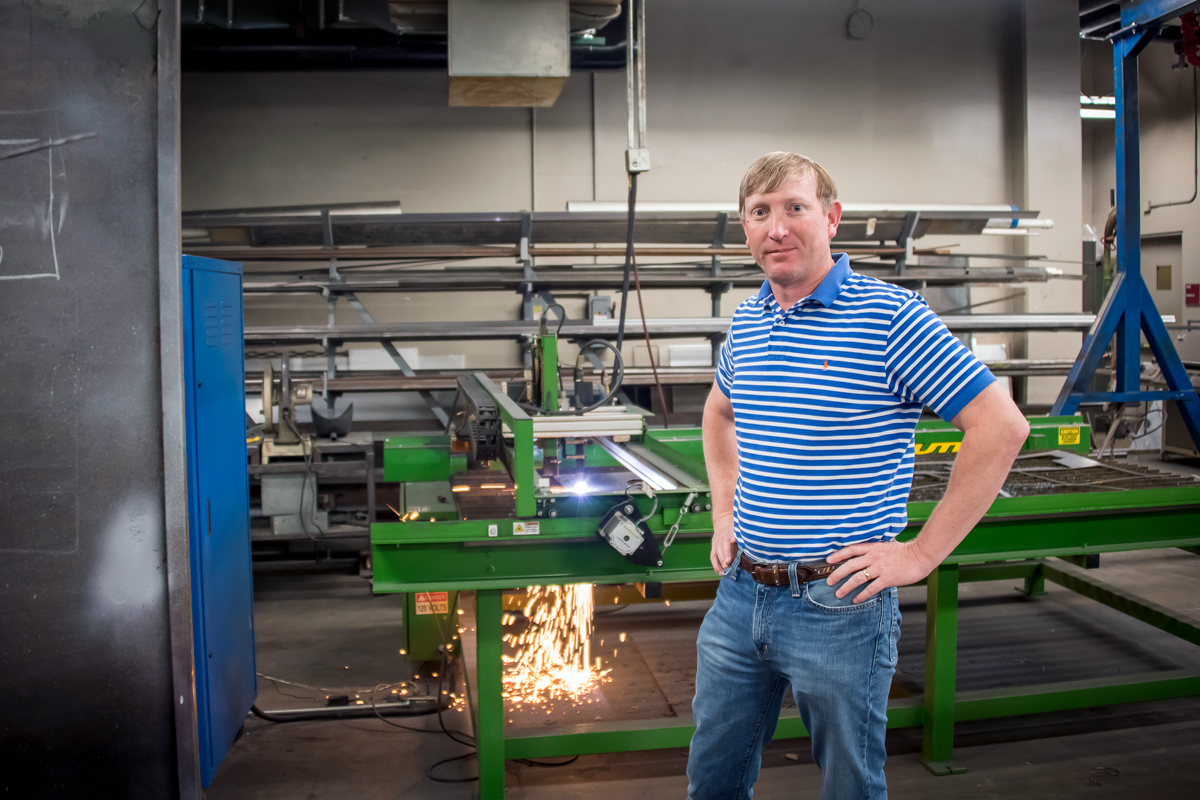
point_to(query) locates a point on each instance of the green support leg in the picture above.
(1035, 583)
(941, 653)
(489, 676)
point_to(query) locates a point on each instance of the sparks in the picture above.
(552, 655)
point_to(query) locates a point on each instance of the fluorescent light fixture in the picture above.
(1098, 113)
(1097, 100)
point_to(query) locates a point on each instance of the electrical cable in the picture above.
(662, 398)
(308, 473)
(562, 317)
(605, 611)
(618, 376)
(628, 258)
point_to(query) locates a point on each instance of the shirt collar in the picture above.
(827, 290)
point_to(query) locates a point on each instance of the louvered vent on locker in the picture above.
(218, 324)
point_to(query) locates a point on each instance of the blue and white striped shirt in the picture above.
(826, 398)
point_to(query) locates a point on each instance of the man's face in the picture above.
(788, 232)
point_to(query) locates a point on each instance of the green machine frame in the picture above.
(1017, 539)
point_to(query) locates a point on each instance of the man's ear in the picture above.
(834, 217)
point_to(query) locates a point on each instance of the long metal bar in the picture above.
(659, 481)
(702, 326)
(171, 344)
(589, 277)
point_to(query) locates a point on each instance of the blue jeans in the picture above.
(838, 658)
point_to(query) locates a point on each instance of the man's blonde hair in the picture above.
(773, 170)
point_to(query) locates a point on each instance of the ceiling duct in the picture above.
(284, 35)
(508, 52)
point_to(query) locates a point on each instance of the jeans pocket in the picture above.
(823, 596)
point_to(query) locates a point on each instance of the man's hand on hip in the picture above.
(723, 543)
(874, 566)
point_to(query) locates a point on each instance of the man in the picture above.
(808, 439)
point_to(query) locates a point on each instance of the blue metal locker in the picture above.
(218, 504)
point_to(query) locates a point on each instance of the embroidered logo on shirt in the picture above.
(826, 364)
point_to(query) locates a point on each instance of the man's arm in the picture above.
(993, 432)
(721, 459)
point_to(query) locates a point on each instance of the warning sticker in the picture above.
(433, 603)
(1068, 435)
(526, 528)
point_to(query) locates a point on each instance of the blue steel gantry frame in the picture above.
(1128, 311)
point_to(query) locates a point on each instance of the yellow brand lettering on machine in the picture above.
(937, 447)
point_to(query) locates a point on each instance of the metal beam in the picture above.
(403, 365)
(1161, 617)
(1151, 12)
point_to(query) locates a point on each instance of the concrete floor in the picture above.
(330, 631)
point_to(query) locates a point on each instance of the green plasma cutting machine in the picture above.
(522, 490)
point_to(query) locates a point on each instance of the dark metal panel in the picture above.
(86, 682)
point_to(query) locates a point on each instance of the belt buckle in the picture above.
(775, 572)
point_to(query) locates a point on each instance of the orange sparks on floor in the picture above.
(553, 658)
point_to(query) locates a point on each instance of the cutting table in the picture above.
(1058, 510)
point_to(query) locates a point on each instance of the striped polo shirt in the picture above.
(826, 398)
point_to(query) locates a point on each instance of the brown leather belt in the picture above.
(776, 573)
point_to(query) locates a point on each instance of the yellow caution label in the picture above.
(1068, 435)
(433, 603)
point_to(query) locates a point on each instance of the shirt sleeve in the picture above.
(927, 364)
(725, 365)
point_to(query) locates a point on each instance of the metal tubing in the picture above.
(576, 329)
(489, 734)
(941, 653)
(350, 712)
(630, 70)
(641, 70)
(648, 473)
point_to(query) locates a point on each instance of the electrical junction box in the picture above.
(218, 505)
(599, 307)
